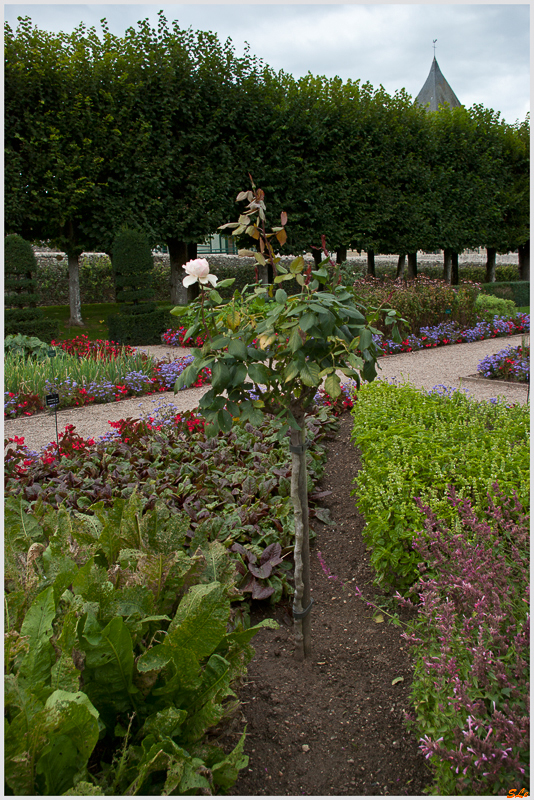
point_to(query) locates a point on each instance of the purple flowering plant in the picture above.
(471, 642)
(511, 364)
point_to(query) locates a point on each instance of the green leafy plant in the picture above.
(126, 642)
(405, 438)
(488, 306)
(26, 347)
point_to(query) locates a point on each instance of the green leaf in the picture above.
(219, 342)
(333, 385)
(179, 311)
(297, 265)
(280, 296)
(165, 723)
(187, 377)
(369, 371)
(295, 339)
(216, 297)
(366, 339)
(155, 658)
(109, 663)
(225, 283)
(84, 789)
(290, 371)
(206, 709)
(324, 515)
(225, 772)
(220, 376)
(237, 348)
(238, 375)
(259, 373)
(37, 626)
(200, 621)
(307, 321)
(225, 421)
(309, 374)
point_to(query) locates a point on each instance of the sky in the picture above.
(483, 50)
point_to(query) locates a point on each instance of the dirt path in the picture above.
(450, 366)
(334, 724)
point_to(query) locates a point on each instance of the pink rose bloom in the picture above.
(198, 270)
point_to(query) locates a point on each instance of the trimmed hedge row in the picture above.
(518, 291)
(96, 280)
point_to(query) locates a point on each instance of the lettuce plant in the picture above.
(120, 643)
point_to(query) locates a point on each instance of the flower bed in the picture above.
(164, 373)
(150, 377)
(471, 642)
(449, 333)
(511, 364)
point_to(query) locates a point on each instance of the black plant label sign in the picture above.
(52, 400)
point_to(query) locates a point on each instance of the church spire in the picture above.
(436, 91)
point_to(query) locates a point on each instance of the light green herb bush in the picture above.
(488, 306)
(416, 444)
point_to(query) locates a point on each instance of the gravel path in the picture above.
(453, 365)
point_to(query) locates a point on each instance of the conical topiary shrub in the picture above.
(21, 314)
(139, 321)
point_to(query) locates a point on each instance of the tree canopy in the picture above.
(157, 130)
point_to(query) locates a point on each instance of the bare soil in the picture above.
(333, 724)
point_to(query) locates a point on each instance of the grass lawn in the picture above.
(94, 315)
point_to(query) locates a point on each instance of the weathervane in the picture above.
(434, 45)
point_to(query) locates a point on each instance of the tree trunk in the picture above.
(178, 256)
(341, 255)
(491, 260)
(299, 497)
(265, 273)
(447, 262)
(74, 292)
(412, 266)
(192, 251)
(318, 256)
(400, 266)
(454, 270)
(524, 261)
(371, 263)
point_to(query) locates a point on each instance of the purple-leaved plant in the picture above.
(471, 639)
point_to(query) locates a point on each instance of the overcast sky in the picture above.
(482, 49)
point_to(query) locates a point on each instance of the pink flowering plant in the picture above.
(471, 641)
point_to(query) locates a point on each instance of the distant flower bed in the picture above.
(119, 373)
(450, 333)
(82, 346)
(162, 377)
(176, 338)
(511, 364)
(437, 336)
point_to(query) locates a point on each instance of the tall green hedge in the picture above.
(518, 291)
(21, 314)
